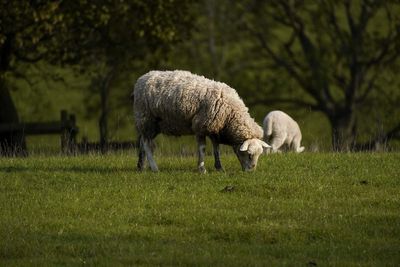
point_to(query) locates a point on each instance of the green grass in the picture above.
(295, 210)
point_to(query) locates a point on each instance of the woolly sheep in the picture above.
(281, 130)
(181, 103)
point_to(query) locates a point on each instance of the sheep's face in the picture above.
(248, 153)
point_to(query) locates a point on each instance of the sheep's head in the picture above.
(249, 151)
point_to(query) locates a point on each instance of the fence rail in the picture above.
(32, 128)
(66, 127)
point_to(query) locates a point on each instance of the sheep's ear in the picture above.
(244, 146)
(264, 145)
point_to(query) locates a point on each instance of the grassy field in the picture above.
(312, 209)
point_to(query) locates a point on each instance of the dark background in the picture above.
(332, 65)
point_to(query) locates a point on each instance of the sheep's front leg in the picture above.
(277, 142)
(217, 160)
(201, 143)
(147, 146)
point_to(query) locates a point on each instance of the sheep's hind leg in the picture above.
(217, 162)
(201, 143)
(141, 154)
(148, 149)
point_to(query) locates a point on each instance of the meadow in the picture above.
(313, 209)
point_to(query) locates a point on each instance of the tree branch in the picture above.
(394, 133)
(282, 100)
(320, 90)
(383, 55)
(349, 17)
(28, 59)
(368, 88)
(278, 60)
(331, 12)
(288, 49)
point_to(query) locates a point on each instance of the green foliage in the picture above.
(70, 31)
(309, 209)
(219, 39)
(102, 41)
(27, 24)
(340, 53)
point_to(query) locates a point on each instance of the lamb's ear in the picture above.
(244, 146)
(264, 145)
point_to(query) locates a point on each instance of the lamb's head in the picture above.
(249, 151)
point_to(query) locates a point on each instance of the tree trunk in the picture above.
(103, 125)
(104, 108)
(212, 47)
(343, 132)
(11, 143)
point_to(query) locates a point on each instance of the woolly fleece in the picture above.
(280, 129)
(182, 103)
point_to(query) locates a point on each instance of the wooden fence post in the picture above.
(72, 130)
(68, 132)
(64, 131)
(66, 127)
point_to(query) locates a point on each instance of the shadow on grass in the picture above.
(75, 169)
(101, 170)
(107, 170)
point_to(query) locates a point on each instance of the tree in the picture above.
(131, 31)
(20, 41)
(80, 32)
(338, 52)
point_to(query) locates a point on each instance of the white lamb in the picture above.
(181, 103)
(281, 131)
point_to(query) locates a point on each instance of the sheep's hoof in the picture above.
(139, 169)
(202, 169)
(154, 169)
(220, 169)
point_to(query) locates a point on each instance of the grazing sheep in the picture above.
(181, 103)
(281, 130)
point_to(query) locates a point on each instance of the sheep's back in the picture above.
(282, 122)
(174, 98)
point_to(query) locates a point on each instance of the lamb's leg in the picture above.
(267, 139)
(147, 146)
(141, 154)
(277, 142)
(201, 143)
(300, 149)
(217, 160)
